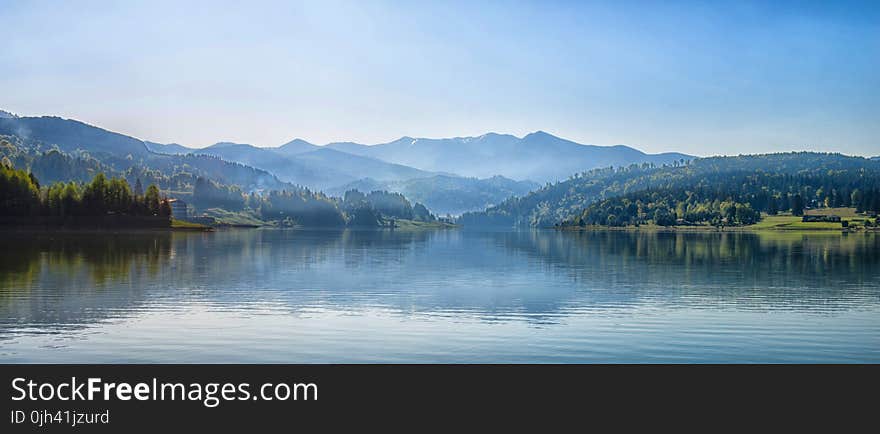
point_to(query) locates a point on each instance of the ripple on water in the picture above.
(313, 296)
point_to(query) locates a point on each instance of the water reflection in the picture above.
(63, 280)
(60, 283)
(750, 270)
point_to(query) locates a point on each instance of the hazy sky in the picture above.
(698, 77)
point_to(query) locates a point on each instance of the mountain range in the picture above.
(454, 174)
(539, 156)
(447, 194)
(320, 168)
(70, 135)
(98, 148)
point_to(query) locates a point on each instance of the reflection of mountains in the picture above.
(67, 280)
(58, 281)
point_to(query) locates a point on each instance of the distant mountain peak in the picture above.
(540, 134)
(406, 140)
(296, 146)
(226, 145)
(493, 135)
(297, 142)
(169, 148)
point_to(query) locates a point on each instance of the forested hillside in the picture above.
(26, 140)
(445, 194)
(22, 195)
(171, 173)
(764, 182)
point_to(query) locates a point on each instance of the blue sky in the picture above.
(697, 77)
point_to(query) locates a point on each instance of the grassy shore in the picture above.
(235, 218)
(782, 222)
(792, 223)
(401, 224)
(787, 222)
(181, 225)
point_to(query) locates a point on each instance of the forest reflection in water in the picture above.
(61, 282)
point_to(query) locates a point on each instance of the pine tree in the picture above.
(151, 200)
(797, 205)
(138, 188)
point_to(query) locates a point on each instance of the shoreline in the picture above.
(712, 229)
(96, 230)
(178, 226)
(847, 221)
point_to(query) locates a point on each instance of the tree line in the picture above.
(666, 208)
(739, 203)
(767, 183)
(302, 206)
(374, 208)
(22, 195)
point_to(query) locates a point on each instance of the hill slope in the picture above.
(296, 146)
(106, 150)
(561, 201)
(170, 148)
(444, 194)
(284, 168)
(321, 168)
(70, 135)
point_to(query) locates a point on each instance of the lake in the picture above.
(308, 296)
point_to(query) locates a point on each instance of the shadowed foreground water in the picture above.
(445, 296)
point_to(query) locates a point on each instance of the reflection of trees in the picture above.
(227, 258)
(762, 270)
(56, 280)
(68, 278)
(18, 265)
(758, 256)
(75, 278)
(107, 258)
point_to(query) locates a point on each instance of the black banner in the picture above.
(224, 398)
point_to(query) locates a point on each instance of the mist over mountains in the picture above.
(454, 175)
(539, 156)
(70, 135)
(447, 194)
(319, 168)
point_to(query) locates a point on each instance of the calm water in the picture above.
(445, 296)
